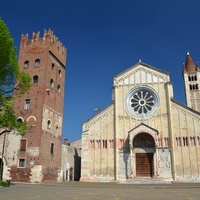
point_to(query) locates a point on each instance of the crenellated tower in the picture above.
(39, 151)
(191, 75)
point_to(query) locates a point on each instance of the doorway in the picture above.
(144, 165)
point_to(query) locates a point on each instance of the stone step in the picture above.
(145, 181)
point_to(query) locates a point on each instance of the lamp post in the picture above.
(1, 164)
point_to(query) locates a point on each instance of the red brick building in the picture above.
(36, 157)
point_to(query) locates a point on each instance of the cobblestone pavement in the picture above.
(101, 191)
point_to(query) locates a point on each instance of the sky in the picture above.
(104, 38)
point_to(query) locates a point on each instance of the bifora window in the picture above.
(142, 102)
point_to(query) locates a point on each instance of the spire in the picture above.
(189, 64)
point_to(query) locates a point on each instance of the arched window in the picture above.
(35, 79)
(51, 83)
(59, 73)
(26, 64)
(197, 87)
(37, 62)
(20, 120)
(58, 88)
(49, 123)
(189, 79)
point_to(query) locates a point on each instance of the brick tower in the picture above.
(191, 75)
(39, 151)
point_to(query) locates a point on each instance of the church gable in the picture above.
(141, 73)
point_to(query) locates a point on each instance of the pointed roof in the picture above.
(189, 64)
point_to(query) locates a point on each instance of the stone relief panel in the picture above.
(164, 163)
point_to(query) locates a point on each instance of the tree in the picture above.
(13, 82)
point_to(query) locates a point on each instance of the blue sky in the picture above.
(104, 38)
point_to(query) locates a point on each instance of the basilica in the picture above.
(145, 133)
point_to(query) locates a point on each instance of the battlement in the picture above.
(48, 41)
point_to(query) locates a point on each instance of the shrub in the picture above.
(4, 183)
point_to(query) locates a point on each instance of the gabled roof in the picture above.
(143, 124)
(143, 64)
(186, 107)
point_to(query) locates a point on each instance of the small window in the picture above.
(22, 162)
(52, 148)
(59, 73)
(23, 145)
(192, 141)
(35, 79)
(185, 141)
(27, 104)
(26, 64)
(166, 140)
(19, 120)
(37, 62)
(52, 83)
(49, 123)
(57, 127)
(178, 141)
(52, 66)
(105, 144)
(58, 88)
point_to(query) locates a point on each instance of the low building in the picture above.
(71, 161)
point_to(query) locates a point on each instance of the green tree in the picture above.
(13, 82)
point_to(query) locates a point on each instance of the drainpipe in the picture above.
(170, 128)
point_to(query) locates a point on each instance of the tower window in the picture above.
(59, 73)
(35, 79)
(49, 123)
(51, 83)
(26, 64)
(52, 148)
(52, 66)
(37, 62)
(27, 104)
(58, 88)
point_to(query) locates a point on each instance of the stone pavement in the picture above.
(101, 191)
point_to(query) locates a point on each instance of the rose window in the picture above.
(142, 102)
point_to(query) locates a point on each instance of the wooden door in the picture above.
(144, 165)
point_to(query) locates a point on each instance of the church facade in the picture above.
(145, 133)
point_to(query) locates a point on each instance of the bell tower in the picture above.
(39, 151)
(191, 75)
